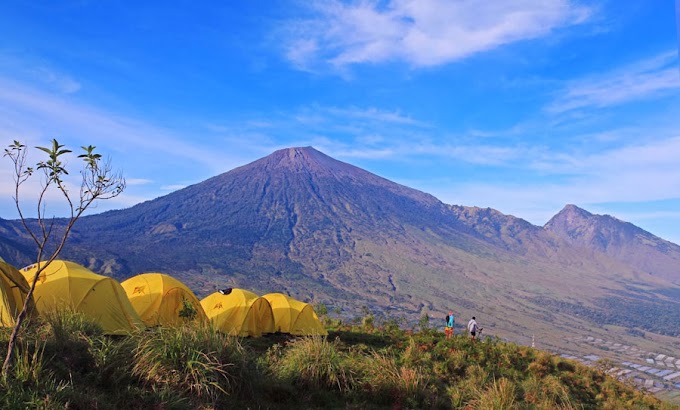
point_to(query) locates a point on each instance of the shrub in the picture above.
(188, 311)
(368, 322)
(195, 360)
(314, 363)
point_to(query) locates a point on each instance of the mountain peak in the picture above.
(297, 153)
(573, 222)
(303, 159)
(568, 218)
(617, 238)
(574, 211)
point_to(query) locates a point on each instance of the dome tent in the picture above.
(13, 290)
(239, 312)
(159, 299)
(67, 285)
(294, 317)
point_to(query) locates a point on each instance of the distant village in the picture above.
(656, 373)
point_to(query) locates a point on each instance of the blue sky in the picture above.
(521, 106)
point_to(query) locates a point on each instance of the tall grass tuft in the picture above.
(68, 336)
(548, 392)
(28, 366)
(197, 361)
(65, 325)
(113, 358)
(30, 384)
(314, 363)
(390, 382)
(500, 395)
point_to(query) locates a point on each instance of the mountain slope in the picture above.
(13, 246)
(296, 216)
(618, 239)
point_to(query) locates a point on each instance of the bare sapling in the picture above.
(99, 182)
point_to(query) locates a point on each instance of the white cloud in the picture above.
(31, 113)
(34, 116)
(54, 201)
(138, 181)
(365, 153)
(635, 173)
(122, 201)
(38, 72)
(420, 32)
(172, 187)
(631, 216)
(653, 77)
(374, 114)
(372, 133)
(60, 82)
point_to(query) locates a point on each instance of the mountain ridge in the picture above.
(619, 239)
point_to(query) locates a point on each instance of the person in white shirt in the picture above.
(473, 327)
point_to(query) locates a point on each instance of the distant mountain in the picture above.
(618, 239)
(506, 231)
(13, 247)
(303, 223)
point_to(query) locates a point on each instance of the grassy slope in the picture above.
(67, 362)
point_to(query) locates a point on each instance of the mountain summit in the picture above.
(621, 240)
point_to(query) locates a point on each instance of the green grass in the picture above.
(66, 362)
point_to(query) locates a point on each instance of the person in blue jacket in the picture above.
(450, 320)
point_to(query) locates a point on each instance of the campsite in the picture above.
(150, 299)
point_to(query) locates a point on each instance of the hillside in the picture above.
(300, 222)
(13, 246)
(67, 363)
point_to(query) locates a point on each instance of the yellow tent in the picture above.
(159, 299)
(294, 317)
(13, 291)
(239, 312)
(67, 285)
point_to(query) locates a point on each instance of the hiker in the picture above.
(473, 328)
(448, 330)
